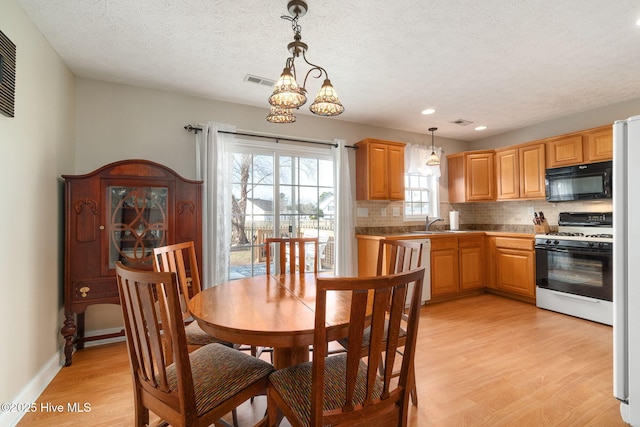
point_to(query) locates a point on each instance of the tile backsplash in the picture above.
(381, 214)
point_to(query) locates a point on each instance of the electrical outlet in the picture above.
(383, 212)
(531, 210)
(396, 211)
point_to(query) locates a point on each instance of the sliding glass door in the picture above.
(284, 192)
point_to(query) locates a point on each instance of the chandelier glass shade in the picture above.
(281, 115)
(433, 159)
(327, 102)
(287, 93)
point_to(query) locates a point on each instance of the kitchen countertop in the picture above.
(397, 232)
(507, 228)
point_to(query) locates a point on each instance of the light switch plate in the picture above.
(396, 211)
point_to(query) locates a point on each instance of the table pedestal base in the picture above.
(283, 357)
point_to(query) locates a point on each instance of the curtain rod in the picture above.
(277, 139)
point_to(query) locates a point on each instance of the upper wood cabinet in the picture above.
(471, 176)
(520, 172)
(564, 151)
(379, 170)
(598, 144)
(592, 145)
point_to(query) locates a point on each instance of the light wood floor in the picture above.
(481, 361)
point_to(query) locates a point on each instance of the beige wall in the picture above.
(36, 146)
(116, 122)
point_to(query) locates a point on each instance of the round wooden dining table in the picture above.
(275, 311)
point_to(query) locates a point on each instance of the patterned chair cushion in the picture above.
(294, 385)
(366, 336)
(219, 372)
(196, 336)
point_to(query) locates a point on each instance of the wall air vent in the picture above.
(462, 122)
(259, 80)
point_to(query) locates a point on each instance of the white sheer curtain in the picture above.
(415, 160)
(344, 227)
(213, 167)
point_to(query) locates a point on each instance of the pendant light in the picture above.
(281, 115)
(287, 93)
(433, 159)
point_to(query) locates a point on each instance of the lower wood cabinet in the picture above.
(513, 266)
(466, 264)
(457, 265)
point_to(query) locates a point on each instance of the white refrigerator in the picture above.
(626, 267)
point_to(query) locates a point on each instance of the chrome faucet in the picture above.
(429, 223)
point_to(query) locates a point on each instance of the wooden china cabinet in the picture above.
(120, 212)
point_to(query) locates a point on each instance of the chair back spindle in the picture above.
(296, 250)
(180, 258)
(396, 256)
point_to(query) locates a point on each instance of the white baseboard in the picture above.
(47, 373)
(32, 391)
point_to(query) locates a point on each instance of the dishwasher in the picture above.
(425, 261)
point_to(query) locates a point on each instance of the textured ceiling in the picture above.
(500, 63)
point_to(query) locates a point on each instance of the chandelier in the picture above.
(287, 93)
(433, 159)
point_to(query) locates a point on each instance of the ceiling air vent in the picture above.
(462, 122)
(259, 80)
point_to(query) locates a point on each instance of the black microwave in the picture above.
(582, 182)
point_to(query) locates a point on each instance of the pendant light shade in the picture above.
(433, 159)
(286, 92)
(281, 115)
(327, 102)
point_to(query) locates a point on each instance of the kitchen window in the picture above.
(421, 183)
(420, 196)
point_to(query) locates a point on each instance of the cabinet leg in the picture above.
(68, 331)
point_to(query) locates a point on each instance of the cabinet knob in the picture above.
(101, 227)
(84, 290)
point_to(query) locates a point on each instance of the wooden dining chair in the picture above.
(180, 258)
(182, 388)
(396, 256)
(346, 389)
(292, 254)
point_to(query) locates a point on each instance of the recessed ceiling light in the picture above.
(428, 111)
(481, 127)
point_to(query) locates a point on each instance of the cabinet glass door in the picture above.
(137, 224)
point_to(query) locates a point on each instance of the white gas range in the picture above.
(574, 269)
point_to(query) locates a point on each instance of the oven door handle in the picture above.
(576, 250)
